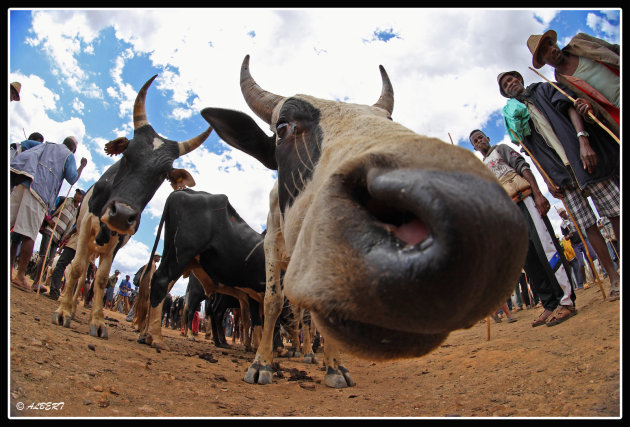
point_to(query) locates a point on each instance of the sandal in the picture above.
(560, 314)
(542, 318)
(613, 296)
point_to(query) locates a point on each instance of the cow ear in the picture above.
(241, 131)
(180, 179)
(116, 146)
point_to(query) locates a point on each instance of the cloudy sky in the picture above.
(80, 71)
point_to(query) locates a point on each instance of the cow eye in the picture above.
(283, 129)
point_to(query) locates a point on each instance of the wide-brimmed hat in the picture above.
(515, 74)
(17, 87)
(533, 43)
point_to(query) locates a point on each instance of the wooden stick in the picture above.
(577, 227)
(590, 113)
(488, 322)
(449, 136)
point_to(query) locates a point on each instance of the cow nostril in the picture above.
(407, 227)
(131, 219)
(112, 209)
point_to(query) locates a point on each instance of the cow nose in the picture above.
(451, 235)
(121, 216)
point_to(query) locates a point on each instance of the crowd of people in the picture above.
(568, 130)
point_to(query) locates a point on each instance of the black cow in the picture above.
(111, 209)
(204, 234)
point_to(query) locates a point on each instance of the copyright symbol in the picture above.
(19, 406)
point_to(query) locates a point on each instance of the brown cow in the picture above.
(391, 239)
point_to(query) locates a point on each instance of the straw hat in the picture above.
(16, 86)
(515, 74)
(533, 43)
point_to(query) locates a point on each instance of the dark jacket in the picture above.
(554, 105)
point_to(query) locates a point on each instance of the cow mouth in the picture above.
(121, 218)
(375, 342)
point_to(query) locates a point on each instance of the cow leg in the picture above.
(308, 331)
(260, 371)
(152, 334)
(77, 292)
(188, 317)
(246, 321)
(336, 375)
(97, 319)
(79, 264)
(294, 331)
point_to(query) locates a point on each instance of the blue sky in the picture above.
(80, 71)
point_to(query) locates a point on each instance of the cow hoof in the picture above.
(57, 319)
(142, 340)
(291, 353)
(310, 359)
(98, 331)
(338, 378)
(191, 339)
(257, 374)
(66, 322)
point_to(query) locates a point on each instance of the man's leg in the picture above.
(26, 251)
(599, 245)
(66, 257)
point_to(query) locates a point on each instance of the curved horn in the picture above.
(386, 101)
(139, 114)
(187, 146)
(259, 100)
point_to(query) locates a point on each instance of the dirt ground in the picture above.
(568, 370)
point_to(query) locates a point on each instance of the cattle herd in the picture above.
(389, 240)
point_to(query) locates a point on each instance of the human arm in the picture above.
(541, 202)
(71, 172)
(588, 156)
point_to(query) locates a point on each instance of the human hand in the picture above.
(83, 162)
(555, 191)
(542, 204)
(588, 156)
(582, 107)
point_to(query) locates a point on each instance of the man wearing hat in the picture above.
(109, 290)
(580, 159)
(36, 177)
(589, 67)
(14, 91)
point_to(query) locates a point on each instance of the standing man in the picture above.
(124, 289)
(41, 170)
(588, 66)
(580, 159)
(58, 224)
(109, 290)
(550, 282)
(569, 232)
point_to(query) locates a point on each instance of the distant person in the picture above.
(57, 225)
(14, 91)
(109, 290)
(38, 172)
(551, 283)
(33, 139)
(589, 67)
